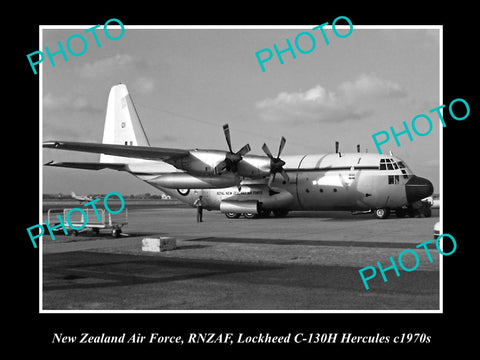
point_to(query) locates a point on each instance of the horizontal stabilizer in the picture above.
(140, 152)
(88, 165)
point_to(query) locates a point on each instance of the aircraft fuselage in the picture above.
(350, 181)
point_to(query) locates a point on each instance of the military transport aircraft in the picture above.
(236, 182)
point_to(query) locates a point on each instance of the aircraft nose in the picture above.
(418, 188)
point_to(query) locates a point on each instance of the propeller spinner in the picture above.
(232, 159)
(276, 164)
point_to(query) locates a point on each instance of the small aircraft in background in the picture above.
(81, 198)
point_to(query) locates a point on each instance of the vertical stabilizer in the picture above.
(122, 124)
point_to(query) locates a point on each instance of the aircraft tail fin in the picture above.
(122, 124)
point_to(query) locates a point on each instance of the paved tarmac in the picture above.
(304, 262)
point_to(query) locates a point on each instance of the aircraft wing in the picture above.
(88, 165)
(140, 152)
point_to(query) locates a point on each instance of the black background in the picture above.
(27, 330)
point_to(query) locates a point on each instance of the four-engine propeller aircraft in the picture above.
(236, 182)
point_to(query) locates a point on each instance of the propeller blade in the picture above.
(226, 131)
(282, 144)
(266, 150)
(238, 181)
(222, 165)
(276, 164)
(244, 150)
(271, 179)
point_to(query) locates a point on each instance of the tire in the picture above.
(401, 212)
(427, 212)
(382, 213)
(280, 213)
(412, 212)
(232, 215)
(250, 216)
(264, 213)
(116, 233)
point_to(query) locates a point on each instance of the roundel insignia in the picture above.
(183, 192)
(123, 124)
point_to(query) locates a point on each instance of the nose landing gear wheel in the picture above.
(382, 213)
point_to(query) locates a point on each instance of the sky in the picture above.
(186, 83)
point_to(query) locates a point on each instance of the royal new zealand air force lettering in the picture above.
(237, 182)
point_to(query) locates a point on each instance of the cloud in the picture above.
(123, 67)
(323, 105)
(106, 66)
(316, 104)
(144, 85)
(60, 103)
(370, 86)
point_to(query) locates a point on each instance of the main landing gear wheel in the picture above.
(280, 213)
(232, 215)
(427, 212)
(401, 212)
(264, 213)
(261, 214)
(382, 213)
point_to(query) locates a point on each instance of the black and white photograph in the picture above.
(257, 184)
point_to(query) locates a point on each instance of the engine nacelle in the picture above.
(201, 162)
(254, 166)
(234, 206)
(205, 162)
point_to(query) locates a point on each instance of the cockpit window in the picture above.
(393, 179)
(390, 164)
(383, 166)
(387, 164)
